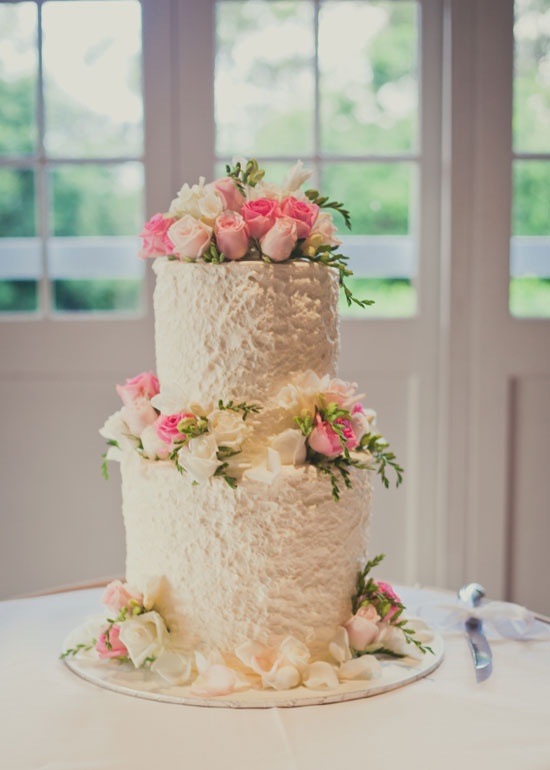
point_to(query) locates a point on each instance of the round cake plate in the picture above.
(142, 683)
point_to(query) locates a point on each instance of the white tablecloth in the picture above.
(50, 719)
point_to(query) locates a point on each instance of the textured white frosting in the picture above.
(264, 561)
(261, 562)
(242, 330)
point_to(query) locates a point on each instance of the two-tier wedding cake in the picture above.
(245, 460)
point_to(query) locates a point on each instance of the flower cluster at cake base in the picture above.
(240, 216)
(135, 635)
(199, 441)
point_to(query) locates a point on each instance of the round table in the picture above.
(50, 719)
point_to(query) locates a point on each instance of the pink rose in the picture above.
(362, 631)
(142, 385)
(190, 237)
(302, 212)
(391, 596)
(156, 242)
(348, 434)
(117, 595)
(231, 235)
(136, 396)
(166, 426)
(115, 648)
(278, 242)
(230, 194)
(324, 439)
(260, 215)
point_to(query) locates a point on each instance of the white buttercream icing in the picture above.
(256, 563)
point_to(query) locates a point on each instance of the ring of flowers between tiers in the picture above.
(326, 426)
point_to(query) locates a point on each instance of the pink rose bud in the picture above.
(348, 433)
(156, 242)
(361, 632)
(260, 215)
(230, 194)
(304, 214)
(142, 385)
(324, 439)
(166, 426)
(191, 237)
(231, 235)
(117, 649)
(389, 593)
(117, 596)
(278, 242)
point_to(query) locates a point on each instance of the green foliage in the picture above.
(244, 408)
(18, 296)
(17, 116)
(122, 294)
(17, 207)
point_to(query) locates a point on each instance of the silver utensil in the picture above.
(472, 594)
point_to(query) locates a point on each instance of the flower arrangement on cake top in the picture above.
(240, 216)
(134, 633)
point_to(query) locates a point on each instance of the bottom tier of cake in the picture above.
(259, 563)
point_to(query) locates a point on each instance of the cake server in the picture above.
(472, 594)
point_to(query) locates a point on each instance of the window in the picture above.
(530, 243)
(71, 156)
(336, 84)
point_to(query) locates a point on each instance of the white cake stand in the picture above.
(142, 683)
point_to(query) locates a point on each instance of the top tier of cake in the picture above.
(241, 330)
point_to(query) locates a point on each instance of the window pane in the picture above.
(97, 199)
(532, 76)
(92, 258)
(377, 195)
(530, 244)
(18, 73)
(20, 259)
(92, 78)
(382, 248)
(368, 76)
(264, 81)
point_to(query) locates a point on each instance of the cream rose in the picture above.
(144, 636)
(190, 237)
(278, 242)
(199, 457)
(116, 429)
(291, 446)
(227, 427)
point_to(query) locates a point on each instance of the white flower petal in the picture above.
(282, 677)
(215, 680)
(365, 667)
(173, 667)
(339, 646)
(321, 676)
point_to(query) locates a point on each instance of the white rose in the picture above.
(291, 446)
(227, 427)
(210, 204)
(288, 397)
(144, 636)
(116, 429)
(187, 200)
(199, 457)
(153, 446)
